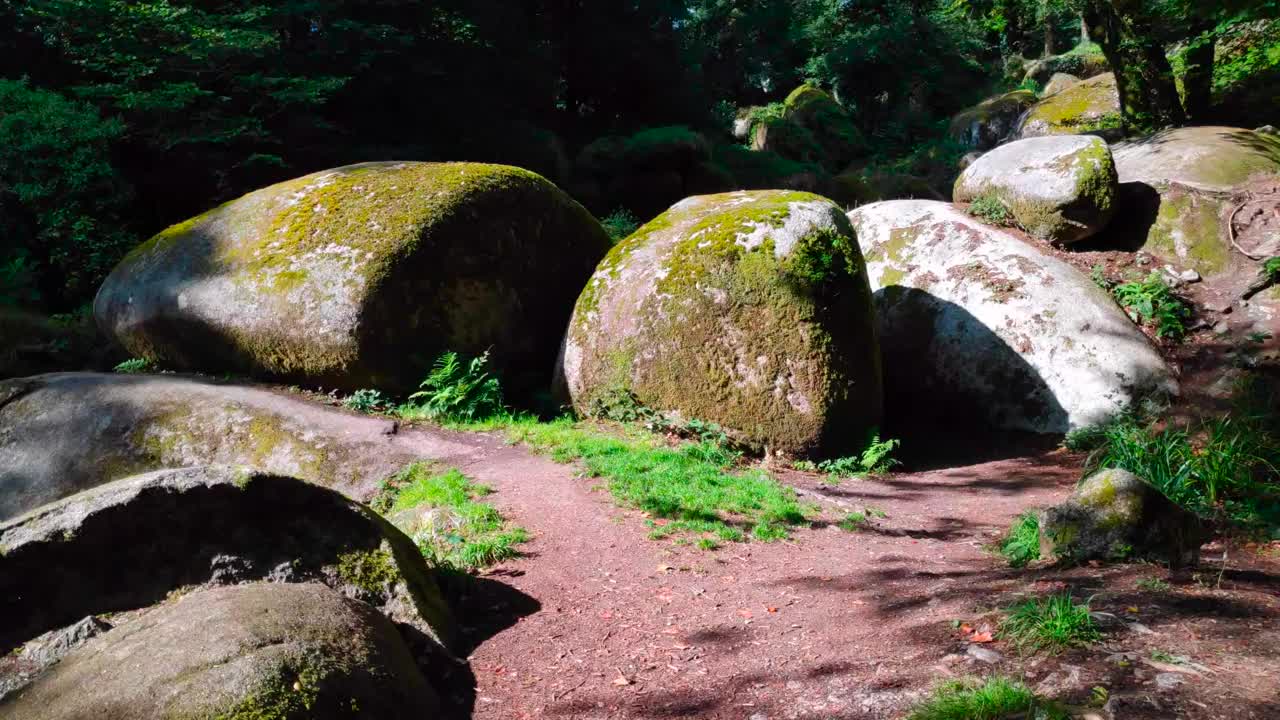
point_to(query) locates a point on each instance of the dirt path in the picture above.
(609, 624)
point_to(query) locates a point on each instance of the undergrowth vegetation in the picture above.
(990, 210)
(447, 522)
(1051, 624)
(1152, 302)
(135, 366)
(1021, 545)
(691, 491)
(619, 224)
(1222, 469)
(456, 391)
(994, 698)
(366, 401)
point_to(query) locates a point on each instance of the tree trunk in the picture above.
(1084, 30)
(1197, 83)
(1049, 39)
(1148, 96)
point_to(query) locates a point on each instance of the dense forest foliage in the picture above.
(119, 118)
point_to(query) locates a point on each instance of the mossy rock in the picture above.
(130, 543)
(990, 122)
(748, 309)
(1088, 107)
(1080, 64)
(675, 148)
(762, 170)
(1114, 515)
(601, 156)
(1061, 189)
(982, 330)
(361, 276)
(62, 434)
(1193, 172)
(814, 122)
(1058, 83)
(251, 652)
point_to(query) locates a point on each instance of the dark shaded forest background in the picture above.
(120, 118)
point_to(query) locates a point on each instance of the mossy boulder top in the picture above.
(1058, 83)
(1185, 177)
(1081, 64)
(814, 127)
(1089, 106)
(988, 123)
(360, 276)
(981, 329)
(1205, 158)
(64, 433)
(1061, 189)
(1114, 515)
(240, 653)
(748, 309)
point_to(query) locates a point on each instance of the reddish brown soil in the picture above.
(597, 621)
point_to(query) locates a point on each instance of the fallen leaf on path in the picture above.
(981, 637)
(772, 609)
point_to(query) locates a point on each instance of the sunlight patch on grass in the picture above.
(995, 698)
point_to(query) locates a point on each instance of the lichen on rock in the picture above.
(1089, 106)
(748, 309)
(1060, 189)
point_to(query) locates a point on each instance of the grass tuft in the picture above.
(1152, 302)
(995, 698)
(455, 531)
(1022, 545)
(695, 487)
(989, 209)
(1051, 624)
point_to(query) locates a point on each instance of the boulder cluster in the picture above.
(183, 507)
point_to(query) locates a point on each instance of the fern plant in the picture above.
(1152, 301)
(457, 391)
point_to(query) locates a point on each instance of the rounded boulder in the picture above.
(360, 276)
(1089, 106)
(980, 329)
(1061, 189)
(747, 309)
(251, 651)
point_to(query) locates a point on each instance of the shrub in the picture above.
(1022, 543)
(18, 282)
(1051, 624)
(995, 698)
(366, 401)
(1153, 302)
(619, 224)
(456, 391)
(990, 210)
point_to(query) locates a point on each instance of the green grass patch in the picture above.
(994, 698)
(1221, 469)
(1153, 585)
(135, 366)
(1051, 624)
(694, 489)
(1022, 544)
(454, 529)
(854, 521)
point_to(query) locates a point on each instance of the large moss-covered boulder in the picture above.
(812, 128)
(239, 653)
(60, 434)
(1061, 189)
(360, 276)
(1058, 83)
(1190, 174)
(1088, 107)
(1082, 62)
(748, 309)
(980, 329)
(128, 544)
(1114, 515)
(990, 122)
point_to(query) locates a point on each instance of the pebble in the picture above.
(1141, 629)
(1222, 328)
(981, 654)
(1169, 681)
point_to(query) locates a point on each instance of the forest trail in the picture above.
(598, 621)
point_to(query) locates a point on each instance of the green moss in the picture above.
(373, 571)
(721, 272)
(288, 693)
(1079, 108)
(1188, 228)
